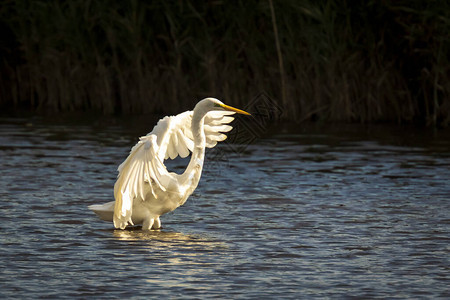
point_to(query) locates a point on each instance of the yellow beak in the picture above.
(239, 111)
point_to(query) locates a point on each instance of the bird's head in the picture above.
(213, 104)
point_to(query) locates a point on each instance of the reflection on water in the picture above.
(135, 233)
(335, 212)
(167, 239)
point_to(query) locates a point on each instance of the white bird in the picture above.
(144, 189)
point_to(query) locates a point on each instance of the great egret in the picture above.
(144, 189)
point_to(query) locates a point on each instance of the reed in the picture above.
(324, 60)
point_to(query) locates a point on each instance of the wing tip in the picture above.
(122, 223)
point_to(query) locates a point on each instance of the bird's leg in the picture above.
(148, 223)
(157, 224)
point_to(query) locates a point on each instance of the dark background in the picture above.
(328, 61)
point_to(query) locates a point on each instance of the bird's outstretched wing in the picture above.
(140, 173)
(215, 126)
(175, 136)
(143, 171)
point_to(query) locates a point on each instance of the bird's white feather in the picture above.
(143, 171)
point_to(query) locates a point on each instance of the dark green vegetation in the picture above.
(322, 60)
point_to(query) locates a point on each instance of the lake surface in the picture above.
(303, 212)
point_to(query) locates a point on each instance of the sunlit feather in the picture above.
(144, 189)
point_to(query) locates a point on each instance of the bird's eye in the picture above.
(217, 105)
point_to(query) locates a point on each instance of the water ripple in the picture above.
(329, 213)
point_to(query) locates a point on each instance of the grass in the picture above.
(323, 60)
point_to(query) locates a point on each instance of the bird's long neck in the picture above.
(195, 166)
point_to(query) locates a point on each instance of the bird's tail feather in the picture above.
(103, 211)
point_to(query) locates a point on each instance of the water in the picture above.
(347, 212)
